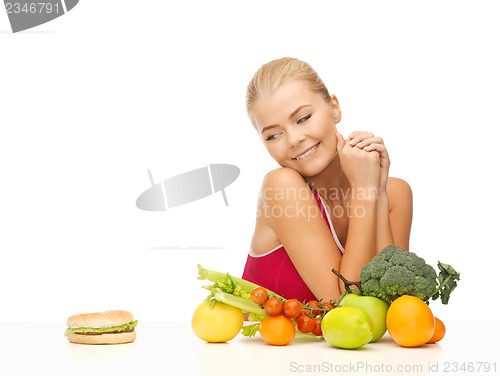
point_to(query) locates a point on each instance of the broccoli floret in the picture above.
(372, 288)
(429, 272)
(375, 269)
(398, 281)
(413, 263)
(387, 252)
(425, 287)
(395, 272)
(399, 256)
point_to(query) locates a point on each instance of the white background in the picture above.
(90, 101)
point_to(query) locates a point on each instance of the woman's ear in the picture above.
(336, 109)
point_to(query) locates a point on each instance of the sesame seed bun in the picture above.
(105, 319)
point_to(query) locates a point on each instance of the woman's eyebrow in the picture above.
(291, 116)
(297, 110)
(268, 127)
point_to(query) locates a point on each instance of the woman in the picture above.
(331, 204)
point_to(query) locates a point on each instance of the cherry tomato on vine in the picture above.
(273, 306)
(259, 295)
(304, 324)
(328, 306)
(311, 305)
(292, 308)
(317, 327)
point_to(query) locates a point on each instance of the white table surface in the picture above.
(172, 349)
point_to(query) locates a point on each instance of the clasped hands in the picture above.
(364, 160)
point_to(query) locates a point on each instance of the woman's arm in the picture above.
(292, 212)
(394, 204)
(363, 172)
(385, 235)
(361, 240)
(400, 211)
(387, 221)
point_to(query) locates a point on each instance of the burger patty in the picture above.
(98, 334)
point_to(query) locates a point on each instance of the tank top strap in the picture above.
(326, 217)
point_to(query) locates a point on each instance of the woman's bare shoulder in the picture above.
(278, 185)
(398, 189)
(283, 177)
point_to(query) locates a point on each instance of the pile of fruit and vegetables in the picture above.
(392, 295)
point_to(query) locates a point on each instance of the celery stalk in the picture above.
(243, 304)
(245, 285)
(214, 276)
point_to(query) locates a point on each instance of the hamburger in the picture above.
(101, 328)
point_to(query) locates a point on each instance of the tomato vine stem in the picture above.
(347, 283)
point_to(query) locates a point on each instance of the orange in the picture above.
(410, 321)
(277, 330)
(439, 331)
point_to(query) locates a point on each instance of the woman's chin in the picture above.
(310, 171)
(315, 168)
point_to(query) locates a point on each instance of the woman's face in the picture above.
(298, 127)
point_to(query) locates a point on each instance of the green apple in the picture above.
(375, 307)
(347, 327)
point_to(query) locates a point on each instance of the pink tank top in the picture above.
(275, 271)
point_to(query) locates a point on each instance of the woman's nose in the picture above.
(295, 137)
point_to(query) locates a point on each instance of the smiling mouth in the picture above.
(308, 152)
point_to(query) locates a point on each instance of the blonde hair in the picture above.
(275, 73)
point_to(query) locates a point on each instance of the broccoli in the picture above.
(395, 272)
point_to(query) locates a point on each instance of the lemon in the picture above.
(220, 323)
(347, 327)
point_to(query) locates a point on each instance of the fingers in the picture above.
(376, 146)
(358, 136)
(369, 141)
(381, 150)
(363, 137)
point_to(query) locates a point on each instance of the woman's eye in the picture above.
(301, 120)
(272, 137)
